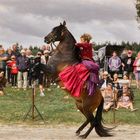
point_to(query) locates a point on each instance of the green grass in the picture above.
(126, 116)
(55, 109)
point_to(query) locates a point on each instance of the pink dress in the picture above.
(125, 101)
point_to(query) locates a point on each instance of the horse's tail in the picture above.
(99, 128)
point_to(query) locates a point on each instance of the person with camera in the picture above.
(31, 64)
(40, 74)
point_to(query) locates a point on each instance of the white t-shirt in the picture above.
(104, 85)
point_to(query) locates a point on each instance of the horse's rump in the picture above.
(73, 77)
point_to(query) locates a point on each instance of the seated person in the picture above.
(2, 83)
(125, 80)
(116, 82)
(109, 96)
(126, 99)
(104, 81)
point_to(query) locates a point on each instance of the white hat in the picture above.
(105, 73)
(22, 51)
(46, 51)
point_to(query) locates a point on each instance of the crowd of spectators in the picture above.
(16, 65)
(116, 89)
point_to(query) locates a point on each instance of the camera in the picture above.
(34, 69)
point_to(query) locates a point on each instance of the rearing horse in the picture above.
(67, 54)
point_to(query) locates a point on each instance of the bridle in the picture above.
(53, 38)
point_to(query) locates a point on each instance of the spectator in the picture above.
(45, 57)
(114, 64)
(136, 65)
(9, 54)
(3, 59)
(44, 60)
(124, 54)
(125, 80)
(14, 71)
(125, 101)
(116, 81)
(41, 76)
(104, 81)
(2, 83)
(43, 48)
(31, 64)
(127, 64)
(48, 48)
(29, 53)
(23, 66)
(109, 97)
(15, 50)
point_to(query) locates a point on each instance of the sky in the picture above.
(28, 21)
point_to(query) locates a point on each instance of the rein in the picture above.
(52, 44)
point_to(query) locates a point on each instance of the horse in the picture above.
(66, 54)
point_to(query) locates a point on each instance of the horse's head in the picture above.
(65, 52)
(56, 34)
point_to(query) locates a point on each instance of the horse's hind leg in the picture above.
(82, 127)
(84, 124)
(90, 118)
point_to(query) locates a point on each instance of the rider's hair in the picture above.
(87, 37)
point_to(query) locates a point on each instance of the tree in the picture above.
(138, 10)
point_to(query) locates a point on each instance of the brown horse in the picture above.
(67, 54)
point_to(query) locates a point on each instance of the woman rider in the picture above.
(86, 55)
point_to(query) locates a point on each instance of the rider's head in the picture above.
(85, 37)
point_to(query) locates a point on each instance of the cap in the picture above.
(39, 53)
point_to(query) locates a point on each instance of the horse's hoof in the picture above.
(77, 133)
(83, 136)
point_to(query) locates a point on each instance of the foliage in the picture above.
(127, 45)
(34, 49)
(138, 9)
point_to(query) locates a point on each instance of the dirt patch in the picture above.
(21, 132)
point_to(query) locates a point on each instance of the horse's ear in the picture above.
(60, 23)
(64, 23)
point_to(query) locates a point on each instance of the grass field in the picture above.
(56, 109)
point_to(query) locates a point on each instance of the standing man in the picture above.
(23, 66)
(127, 64)
(15, 50)
(3, 59)
(114, 64)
